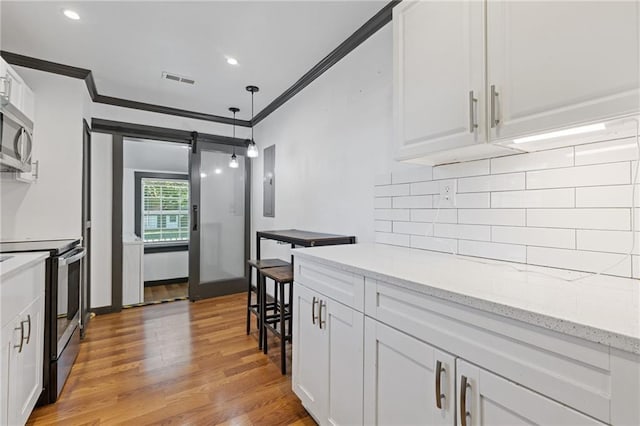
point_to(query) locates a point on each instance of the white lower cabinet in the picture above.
(487, 399)
(327, 358)
(414, 359)
(25, 362)
(22, 339)
(407, 382)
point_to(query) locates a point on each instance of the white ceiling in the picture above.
(128, 45)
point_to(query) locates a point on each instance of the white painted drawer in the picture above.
(574, 372)
(19, 290)
(342, 286)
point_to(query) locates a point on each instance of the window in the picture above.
(162, 208)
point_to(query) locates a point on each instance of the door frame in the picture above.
(118, 130)
(86, 227)
(223, 287)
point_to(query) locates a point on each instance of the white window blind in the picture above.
(165, 210)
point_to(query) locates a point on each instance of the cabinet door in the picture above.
(26, 365)
(560, 63)
(15, 97)
(345, 334)
(6, 339)
(401, 380)
(439, 71)
(487, 399)
(310, 359)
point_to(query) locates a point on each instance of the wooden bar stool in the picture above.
(254, 308)
(278, 318)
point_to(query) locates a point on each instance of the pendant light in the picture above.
(234, 160)
(252, 149)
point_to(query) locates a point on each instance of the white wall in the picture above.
(331, 139)
(101, 208)
(52, 207)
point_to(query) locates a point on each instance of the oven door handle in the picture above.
(75, 255)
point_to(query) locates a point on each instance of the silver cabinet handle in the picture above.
(463, 401)
(494, 114)
(314, 302)
(472, 108)
(439, 395)
(29, 324)
(21, 328)
(321, 322)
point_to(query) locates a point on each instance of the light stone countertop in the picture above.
(601, 309)
(19, 262)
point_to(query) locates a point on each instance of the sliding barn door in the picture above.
(218, 248)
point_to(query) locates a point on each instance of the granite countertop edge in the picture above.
(582, 331)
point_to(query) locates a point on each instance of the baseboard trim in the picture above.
(103, 310)
(166, 281)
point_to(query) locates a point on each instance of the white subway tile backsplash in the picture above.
(539, 198)
(383, 225)
(413, 201)
(544, 237)
(447, 245)
(607, 196)
(382, 202)
(514, 217)
(567, 208)
(417, 174)
(463, 232)
(434, 215)
(578, 260)
(392, 190)
(562, 157)
(391, 214)
(471, 168)
(393, 239)
(605, 219)
(382, 179)
(609, 241)
(413, 228)
(508, 252)
(505, 182)
(425, 188)
(478, 200)
(607, 152)
(599, 174)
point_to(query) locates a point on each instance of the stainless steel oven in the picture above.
(69, 288)
(16, 140)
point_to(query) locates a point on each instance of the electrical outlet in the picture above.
(448, 190)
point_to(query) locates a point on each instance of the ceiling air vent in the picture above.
(179, 78)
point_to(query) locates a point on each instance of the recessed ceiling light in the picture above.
(218, 171)
(71, 14)
(232, 61)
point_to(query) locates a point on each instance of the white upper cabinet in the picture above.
(558, 64)
(549, 65)
(438, 76)
(14, 91)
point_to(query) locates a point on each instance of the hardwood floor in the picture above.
(165, 292)
(175, 364)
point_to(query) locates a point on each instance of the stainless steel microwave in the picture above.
(16, 140)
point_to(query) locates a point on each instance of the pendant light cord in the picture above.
(252, 117)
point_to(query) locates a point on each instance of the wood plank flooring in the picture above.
(175, 364)
(165, 292)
